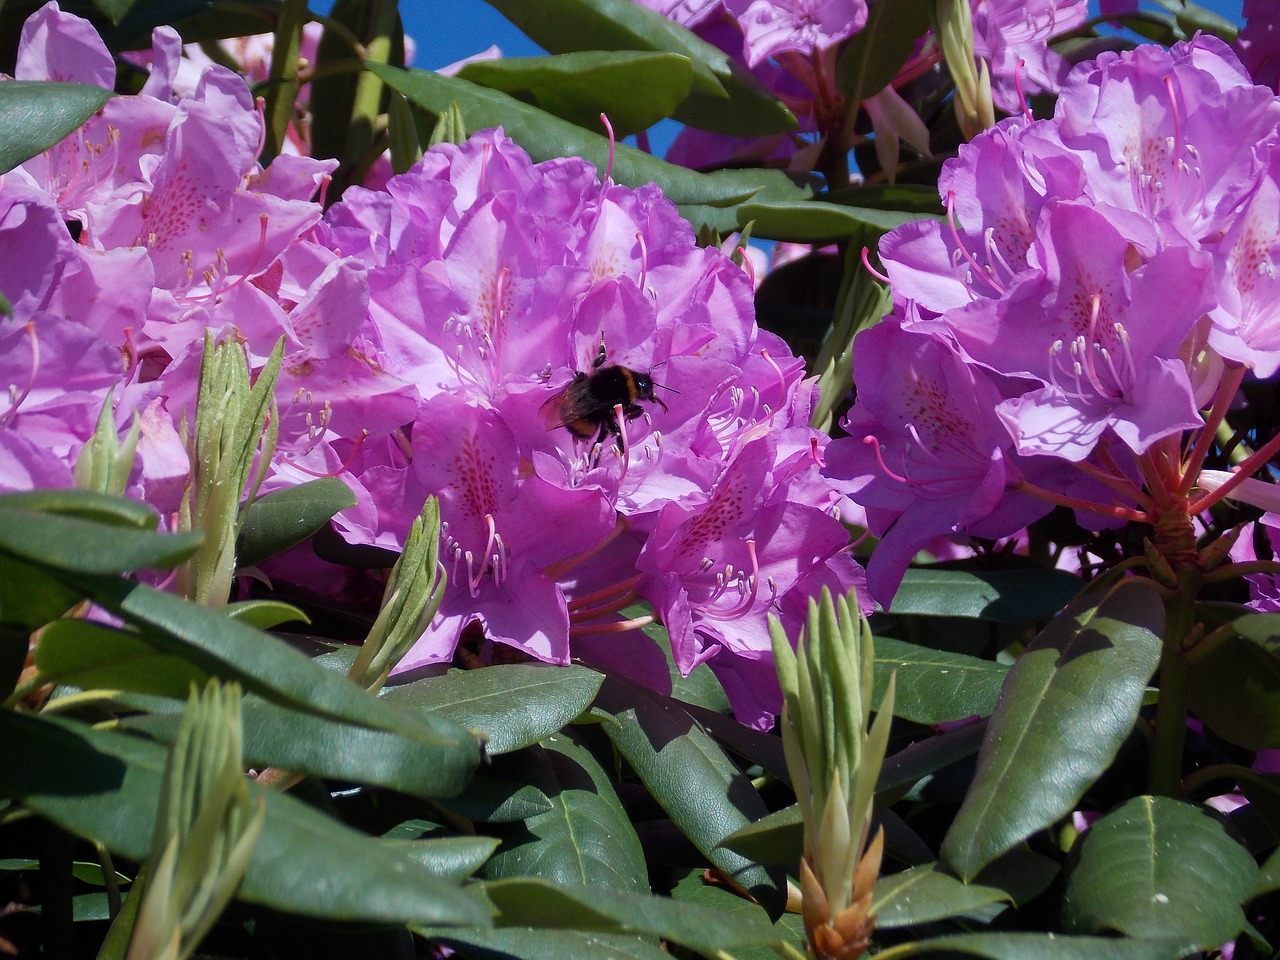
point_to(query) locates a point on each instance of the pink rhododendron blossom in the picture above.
(493, 283)
(1100, 276)
(1013, 37)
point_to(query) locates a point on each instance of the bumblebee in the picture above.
(584, 406)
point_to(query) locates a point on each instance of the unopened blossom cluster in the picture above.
(430, 330)
(793, 48)
(1076, 329)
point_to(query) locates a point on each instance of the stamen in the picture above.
(984, 272)
(608, 170)
(815, 452)
(782, 380)
(866, 263)
(748, 266)
(1018, 91)
(17, 396)
(341, 468)
(644, 262)
(871, 441)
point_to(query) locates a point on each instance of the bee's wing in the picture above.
(553, 409)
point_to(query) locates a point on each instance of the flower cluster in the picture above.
(581, 384)
(1101, 277)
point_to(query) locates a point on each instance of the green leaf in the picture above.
(777, 837)
(917, 198)
(105, 785)
(586, 838)
(501, 798)
(725, 97)
(1235, 689)
(1068, 705)
(934, 686)
(119, 511)
(1051, 946)
(455, 858)
(693, 887)
(909, 766)
(92, 655)
(1158, 867)
(926, 893)
(1002, 596)
(265, 665)
(34, 115)
(1268, 878)
(82, 546)
(578, 87)
(817, 221)
(264, 614)
(545, 137)
(510, 705)
(281, 519)
(537, 903)
(30, 596)
(705, 795)
(530, 944)
(275, 736)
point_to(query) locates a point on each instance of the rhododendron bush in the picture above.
(435, 519)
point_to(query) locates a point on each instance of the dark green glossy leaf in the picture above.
(875, 54)
(777, 837)
(1268, 878)
(267, 666)
(1068, 704)
(578, 87)
(105, 786)
(275, 736)
(1021, 873)
(934, 686)
(754, 746)
(92, 655)
(724, 98)
(283, 518)
(455, 858)
(545, 136)
(1003, 596)
(1051, 946)
(34, 115)
(1235, 689)
(902, 197)
(113, 10)
(1158, 867)
(693, 887)
(817, 221)
(265, 614)
(539, 903)
(30, 596)
(77, 545)
(526, 943)
(1193, 18)
(909, 766)
(926, 893)
(511, 705)
(586, 838)
(120, 511)
(705, 795)
(500, 799)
